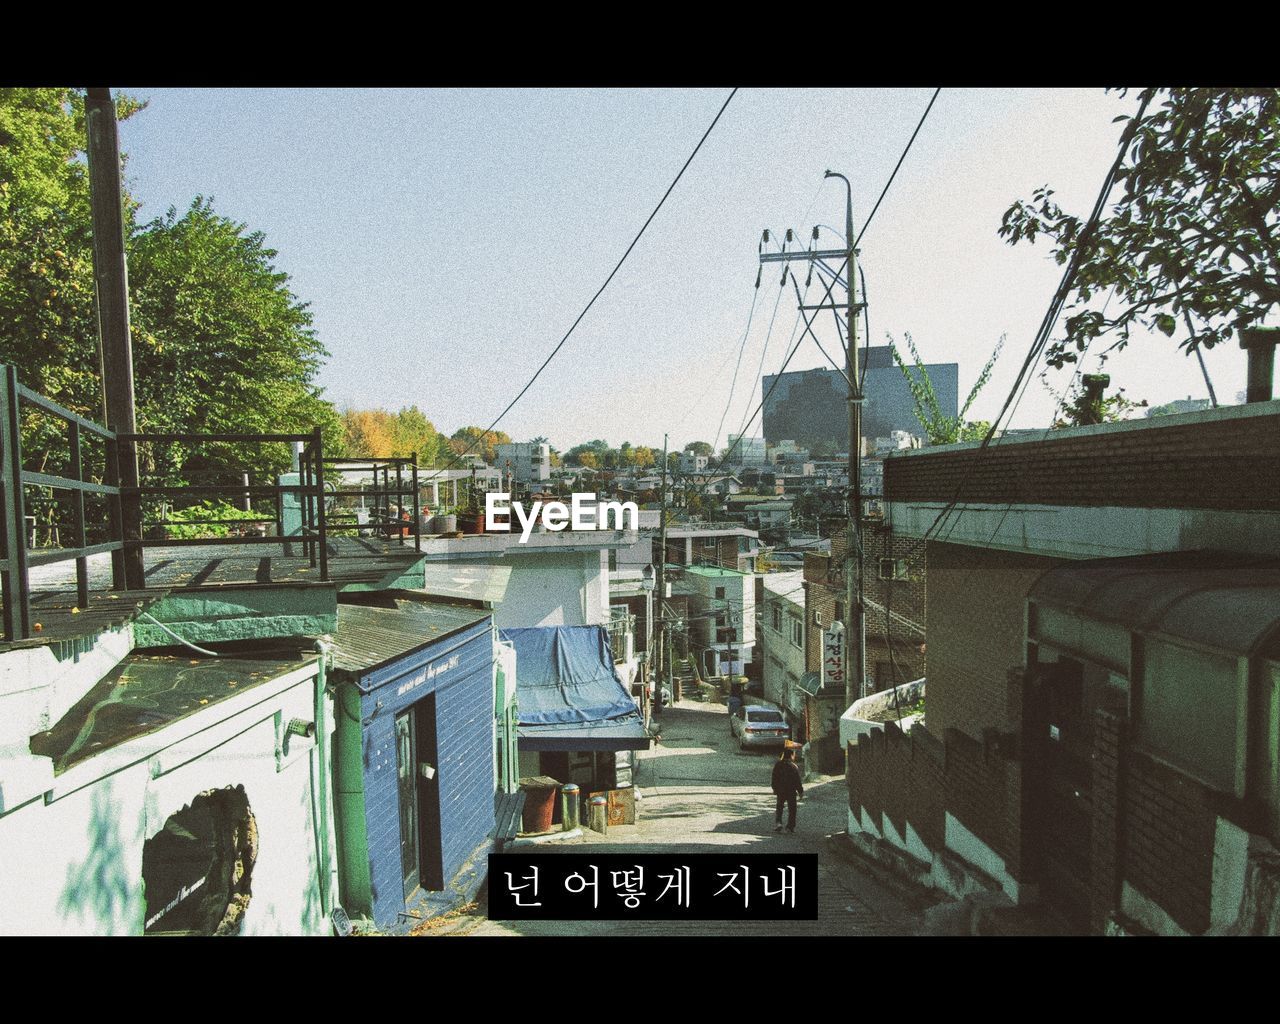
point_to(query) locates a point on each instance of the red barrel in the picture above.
(539, 802)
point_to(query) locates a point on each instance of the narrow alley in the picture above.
(701, 794)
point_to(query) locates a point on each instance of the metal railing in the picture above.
(303, 509)
(387, 516)
(310, 490)
(622, 627)
(15, 584)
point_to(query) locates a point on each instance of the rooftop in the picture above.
(148, 690)
(368, 637)
(710, 570)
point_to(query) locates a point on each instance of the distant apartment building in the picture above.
(691, 463)
(750, 451)
(810, 407)
(527, 462)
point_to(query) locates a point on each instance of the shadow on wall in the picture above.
(100, 890)
(312, 908)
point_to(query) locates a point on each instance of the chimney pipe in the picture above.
(1094, 385)
(1260, 343)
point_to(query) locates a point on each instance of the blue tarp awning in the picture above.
(570, 696)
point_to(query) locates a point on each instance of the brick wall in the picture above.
(901, 776)
(1168, 828)
(1110, 737)
(918, 779)
(1148, 464)
(976, 612)
(905, 598)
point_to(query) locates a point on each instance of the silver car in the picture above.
(758, 726)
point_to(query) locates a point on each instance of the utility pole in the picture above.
(662, 587)
(111, 279)
(855, 631)
(853, 552)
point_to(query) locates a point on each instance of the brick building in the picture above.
(1103, 713)
(894, 578)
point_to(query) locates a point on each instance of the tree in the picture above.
(1191, 245)
(699, 448)
(479, 441)
(940, 428)
(48, 328)
(220, 343)
(368, 433)
(413, 432)
(597, 449)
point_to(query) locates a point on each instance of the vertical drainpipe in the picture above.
(323, 755)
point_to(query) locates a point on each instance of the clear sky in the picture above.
(446, 239)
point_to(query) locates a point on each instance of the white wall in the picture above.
(552, 588)
(73, 865)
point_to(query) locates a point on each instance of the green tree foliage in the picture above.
(219, 341)
(700, 448)
(48, 328)
(413, 432)
(596, 450)
(1190, 248)
(938, 427)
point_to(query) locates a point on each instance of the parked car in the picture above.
(758, 726)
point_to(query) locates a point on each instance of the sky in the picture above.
(447, 239)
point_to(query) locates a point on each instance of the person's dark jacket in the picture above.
(787, 779)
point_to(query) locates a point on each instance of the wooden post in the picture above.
(112, 286)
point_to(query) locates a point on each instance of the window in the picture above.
(1193, 712)
(797, 632)
(719, 593)
(893, 568)
(777, 618)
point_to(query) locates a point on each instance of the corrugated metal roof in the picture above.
(368, 638)
(1223, 601)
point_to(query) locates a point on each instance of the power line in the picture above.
(1041, 338)
(885, 190)
(733, 385)
(546, 362)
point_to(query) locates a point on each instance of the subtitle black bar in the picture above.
(667, 887)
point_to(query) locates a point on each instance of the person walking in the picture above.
(787, 786)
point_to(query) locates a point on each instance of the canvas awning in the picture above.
(569, 695)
